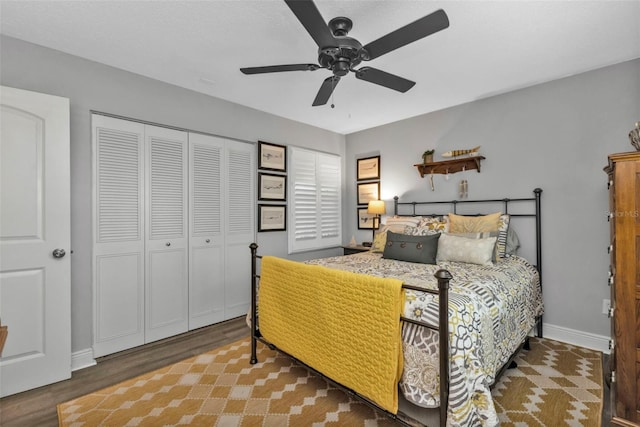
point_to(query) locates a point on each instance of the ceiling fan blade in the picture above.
(309, 16)
(423, 27)
(326, 90)
(382, 78)
(279, 68)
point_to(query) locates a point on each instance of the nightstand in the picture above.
(350, 250)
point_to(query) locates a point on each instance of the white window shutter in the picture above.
(315, 200)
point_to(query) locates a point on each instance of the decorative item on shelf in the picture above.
(634, 137)
(455, 153)
(427, 156)
(450, 166)
(377, 208)
(353, 241)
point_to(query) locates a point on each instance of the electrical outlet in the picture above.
(606, 305)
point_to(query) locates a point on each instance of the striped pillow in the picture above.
(396, 224)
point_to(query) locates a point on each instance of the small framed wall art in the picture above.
(368, 191)
(272, 218)
(272, 156)
(272, 187)
(366, 221)
(368, 168)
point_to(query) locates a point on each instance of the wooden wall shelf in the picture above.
(450, 166)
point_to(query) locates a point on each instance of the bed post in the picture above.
(254, 305)
(395, 205)
(443, 277)
(538, 193)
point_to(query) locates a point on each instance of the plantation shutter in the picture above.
(315, 194)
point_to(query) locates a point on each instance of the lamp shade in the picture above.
(376, 207)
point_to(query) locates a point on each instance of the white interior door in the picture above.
(207, 222)
(167, 268)
(35, 300)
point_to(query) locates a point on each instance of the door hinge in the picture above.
(613, 376)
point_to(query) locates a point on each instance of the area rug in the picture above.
(554, 384)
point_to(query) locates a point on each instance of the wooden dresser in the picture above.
(624, 277)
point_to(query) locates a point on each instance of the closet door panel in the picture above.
(166, 278)
(240, 179)
(118, 214)
(206, 240)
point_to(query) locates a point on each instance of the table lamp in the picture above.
(377, 208)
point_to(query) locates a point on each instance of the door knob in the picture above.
(59, 253)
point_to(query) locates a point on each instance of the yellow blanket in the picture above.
(343, 324)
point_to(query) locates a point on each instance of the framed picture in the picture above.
(272, 156)
(272, 187)
(368, 168)
(367, 221)
(367, 192)
(272, 217)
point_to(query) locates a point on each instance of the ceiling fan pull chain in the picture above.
(332, 88)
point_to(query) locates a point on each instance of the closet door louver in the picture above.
(118, 262)
(166, 275)
(206, 242)
(240, 213)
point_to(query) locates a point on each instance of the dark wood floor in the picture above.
(38, 407)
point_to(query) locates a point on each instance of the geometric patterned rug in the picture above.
(554, 384)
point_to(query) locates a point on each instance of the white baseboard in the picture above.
(579, 338)
(82, 359)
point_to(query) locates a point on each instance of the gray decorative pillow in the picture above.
(422, 249)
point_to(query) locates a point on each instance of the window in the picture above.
(316, 204)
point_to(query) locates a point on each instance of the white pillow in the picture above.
(464, 249)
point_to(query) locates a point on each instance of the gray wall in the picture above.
(555, 136)
(92, 86)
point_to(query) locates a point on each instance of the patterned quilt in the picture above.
(491, 310)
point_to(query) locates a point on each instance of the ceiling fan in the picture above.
(340, 54)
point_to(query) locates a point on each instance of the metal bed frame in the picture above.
(443, 277)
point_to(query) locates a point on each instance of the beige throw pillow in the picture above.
(474, 224)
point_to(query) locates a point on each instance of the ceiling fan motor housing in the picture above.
(347, 54)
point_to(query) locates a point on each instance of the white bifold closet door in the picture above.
(166, 262)
(221, 228)
(118, 234)
(173, 219)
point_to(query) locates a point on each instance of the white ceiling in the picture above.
(491, 47)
